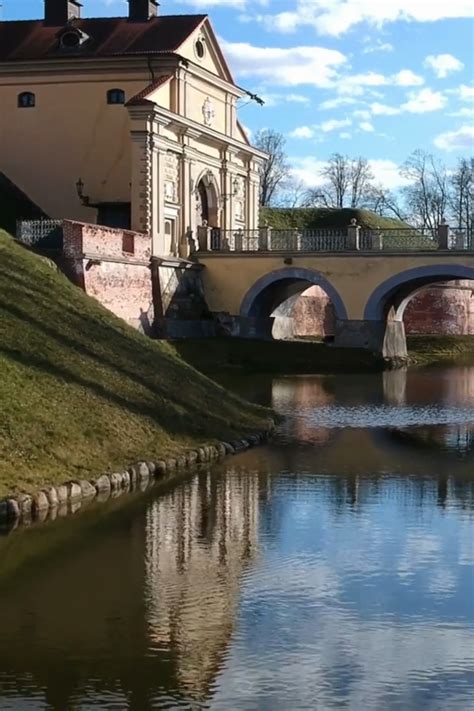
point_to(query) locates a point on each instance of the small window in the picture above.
(26, 100)
(128, 243)
(199, 49)
(115, 96)
(70, 40)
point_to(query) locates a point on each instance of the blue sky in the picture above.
(377, 78)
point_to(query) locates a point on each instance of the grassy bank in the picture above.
(82, 393)
(438, 350)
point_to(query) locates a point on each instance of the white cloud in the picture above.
(334, 124)
(274, 99)
(362, 114)
(302, 132)
(335, 17)
(291, 66)
(460, 140)
(339, 101)
(443, 64)
(407, 78)
(383, 110)
(366, 126)
(465, 92)
(465, 112)
(424, 101)
(379, 46)
(345, 135)
(386, 172)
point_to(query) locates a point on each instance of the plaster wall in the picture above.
(71, 133)
(227, 278)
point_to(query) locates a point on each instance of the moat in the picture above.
(332, 568)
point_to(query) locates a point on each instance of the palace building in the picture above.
(126, 122)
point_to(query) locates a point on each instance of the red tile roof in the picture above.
(109, 36)
(140, 98)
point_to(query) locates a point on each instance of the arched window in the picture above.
(115, 96)
(26, 100)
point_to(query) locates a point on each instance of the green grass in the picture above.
(82, 393)
(315, 217)
(437, 350)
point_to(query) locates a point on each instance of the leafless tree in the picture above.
(462, 197)
(348, 182)
(276, 169)
(427, 197)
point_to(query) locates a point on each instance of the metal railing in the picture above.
(353, 238)
(43, 233)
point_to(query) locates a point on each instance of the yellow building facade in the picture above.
(127, 122)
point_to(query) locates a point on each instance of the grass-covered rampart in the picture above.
(82, 393)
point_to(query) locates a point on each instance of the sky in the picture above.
(376, 78)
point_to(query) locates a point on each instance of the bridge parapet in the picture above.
(350, 239)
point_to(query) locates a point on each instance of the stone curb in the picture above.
(53, 501)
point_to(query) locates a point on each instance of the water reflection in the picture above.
(333, 568)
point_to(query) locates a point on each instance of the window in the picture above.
(128, 243)
(26, 100)
(115, 96)
(199, 49)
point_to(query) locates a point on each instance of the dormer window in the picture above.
(116, 96)
(72, 38)
(26, 100)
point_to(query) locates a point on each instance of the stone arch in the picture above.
(398, 290)
(207, 199)
(270, 300)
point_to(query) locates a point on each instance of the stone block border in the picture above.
(54, 501)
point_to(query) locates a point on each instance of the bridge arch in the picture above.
(397, 291)
(296, 280)
(268, 305)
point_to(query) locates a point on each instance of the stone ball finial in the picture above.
(353, 222)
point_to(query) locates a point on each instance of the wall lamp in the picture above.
(85, 200)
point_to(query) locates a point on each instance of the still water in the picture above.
(331, 569)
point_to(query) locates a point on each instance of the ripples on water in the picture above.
(332, 569)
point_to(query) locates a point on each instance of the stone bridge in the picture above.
(369, 290)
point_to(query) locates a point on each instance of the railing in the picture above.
(353, 238)
(43, 234)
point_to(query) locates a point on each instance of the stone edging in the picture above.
(53, 501)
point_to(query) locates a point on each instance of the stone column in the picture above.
(141, 177)
(443, 236)
(385, 338)
(157, 191)
(353, 236)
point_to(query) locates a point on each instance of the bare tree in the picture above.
(348, 182)
(462, 197)
(276, 169)
(427, 197)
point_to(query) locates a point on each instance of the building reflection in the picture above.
(199, 540)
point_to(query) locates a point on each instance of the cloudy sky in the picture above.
(364, 77)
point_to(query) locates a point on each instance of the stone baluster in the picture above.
(353, 236)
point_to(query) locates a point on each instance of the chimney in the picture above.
(58, 12)
(142, 10)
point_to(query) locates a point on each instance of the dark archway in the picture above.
(395, 293)
(267, 308)
(207, 201)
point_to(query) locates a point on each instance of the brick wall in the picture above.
(441, 309)
(112, 265)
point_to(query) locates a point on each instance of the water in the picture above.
(331, 569)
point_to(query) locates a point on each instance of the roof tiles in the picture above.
(109, 36)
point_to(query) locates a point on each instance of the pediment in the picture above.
(213, 60)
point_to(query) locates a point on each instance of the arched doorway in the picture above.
(207, 201)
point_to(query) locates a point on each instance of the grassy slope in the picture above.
(438, 350)
(311, 217)
(81, 392)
